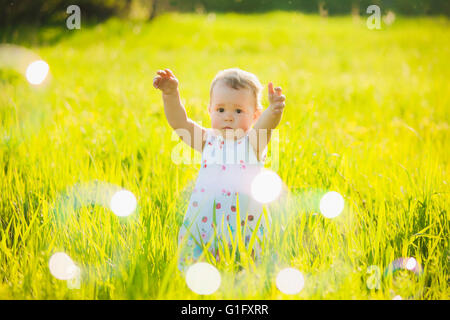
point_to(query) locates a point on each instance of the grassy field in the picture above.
(367, 115)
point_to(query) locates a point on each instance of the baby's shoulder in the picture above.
(208, 138)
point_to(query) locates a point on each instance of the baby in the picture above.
(233, 153)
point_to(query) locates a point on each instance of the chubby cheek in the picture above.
(215, 122)
(245, 123)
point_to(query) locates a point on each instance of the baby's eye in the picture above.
(238, 110)
(220, 109)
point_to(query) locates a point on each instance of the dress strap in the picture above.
(209, 135)
(209, 140)
(252, 152)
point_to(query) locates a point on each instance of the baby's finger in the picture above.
(278, 110)
(278, 90)
(278, 99)
(169, 72)
(279, 106)
(156, 81)
(270, 87)
(161, 73)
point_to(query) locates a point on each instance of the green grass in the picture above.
(367, 115)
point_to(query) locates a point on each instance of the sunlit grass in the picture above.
(367, 116)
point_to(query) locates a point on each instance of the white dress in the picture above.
(227, 170)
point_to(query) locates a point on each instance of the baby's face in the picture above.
(232, 109)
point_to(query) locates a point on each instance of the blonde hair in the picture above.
(236, 78)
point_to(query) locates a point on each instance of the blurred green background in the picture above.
(47, 11)
(367, 115)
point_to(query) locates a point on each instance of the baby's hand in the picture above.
(276, 99)
(165, 81)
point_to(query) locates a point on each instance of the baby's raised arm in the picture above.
(189, 131)
(269, 120)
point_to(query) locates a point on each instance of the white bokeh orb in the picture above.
(331, 204)
(266, 186)
(290, 281)
(62, 267)
(411, 263)
(123, 203)
(203, 278)
(37, 72)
